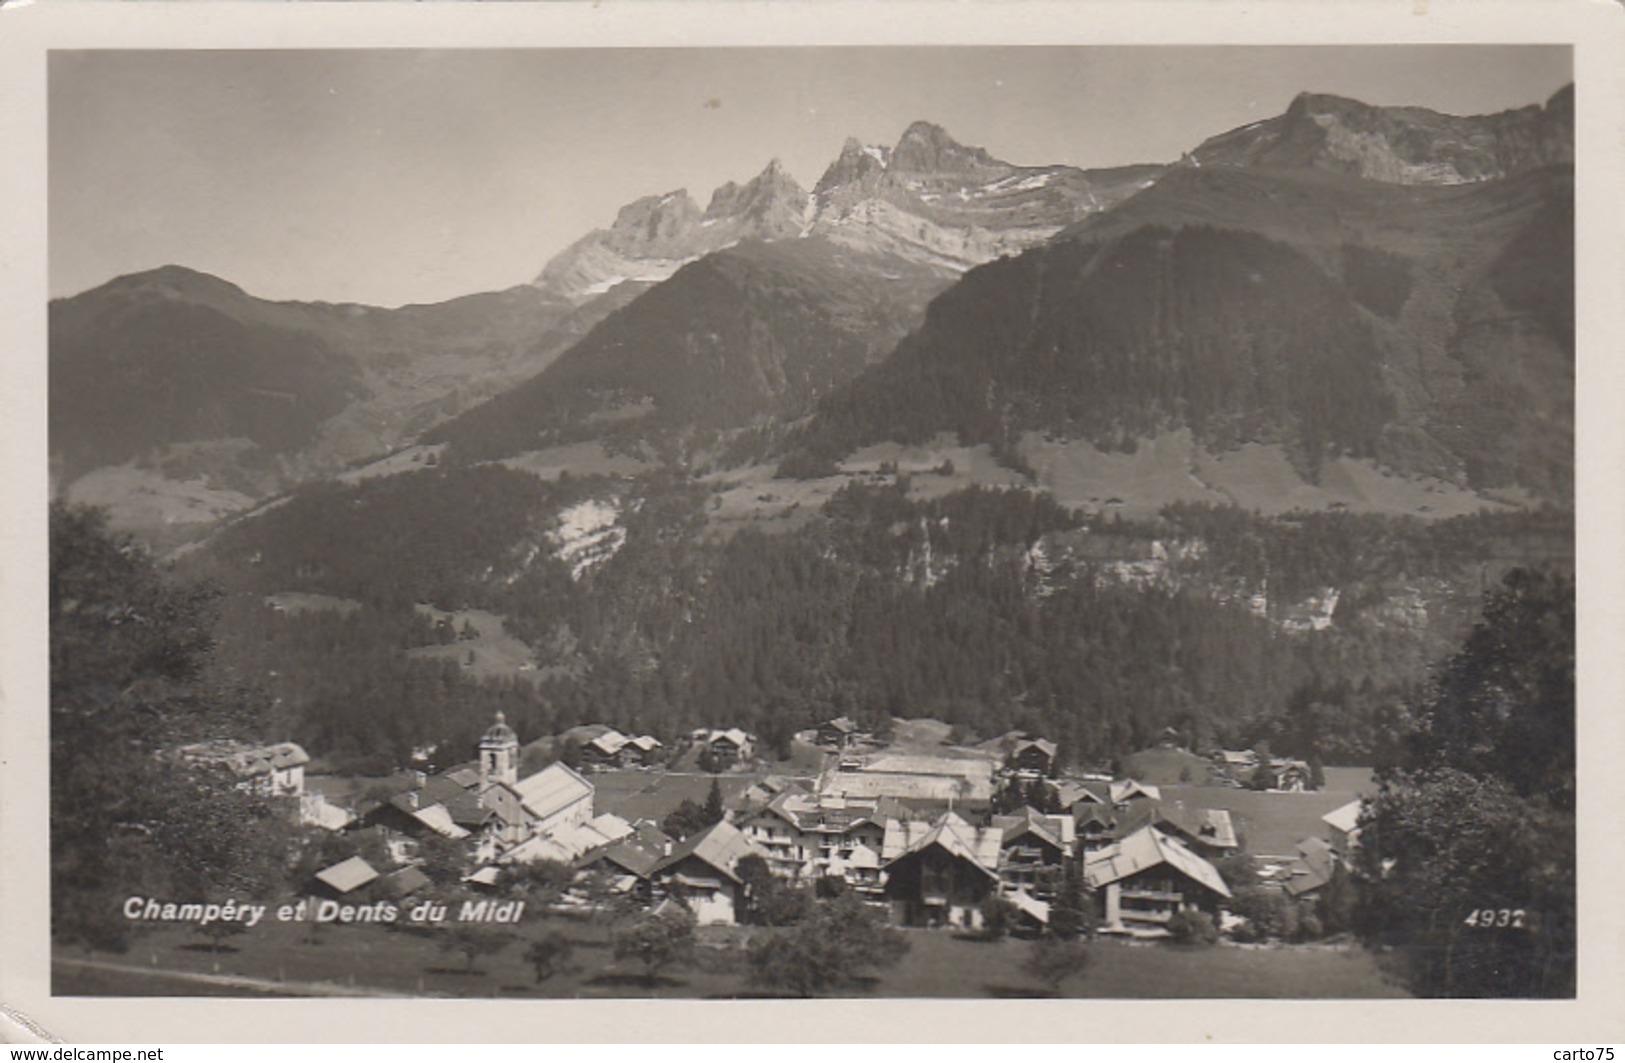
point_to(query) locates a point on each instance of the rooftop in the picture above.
(347, 875)
(551, 790)
(1147, 848)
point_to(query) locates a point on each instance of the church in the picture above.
(486, 801)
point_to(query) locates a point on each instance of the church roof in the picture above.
(499, 734)
(551, 790)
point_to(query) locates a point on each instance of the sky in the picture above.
(392, 177)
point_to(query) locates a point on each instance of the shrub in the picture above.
(1192, 927)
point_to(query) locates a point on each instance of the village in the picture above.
(928, 833)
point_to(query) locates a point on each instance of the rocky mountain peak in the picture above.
(769, 206)
(657, 219)
(927, 148)
(858, 165)
(1399, 145)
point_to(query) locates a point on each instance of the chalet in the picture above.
(1343, 823)
(631, 861)
(1234, 762)
(702, 871)
(1143, 879)
(1033, 758)
(942, 872)
(1072, 794)
(275, 770)
(804, 836)
(1311, 871)
(345, 877)
(315, 810)
(604, 749)
(760, 793)
(642, 750)
(1032, 851)
(433, 805)
(1169, 739)
(837, 733)
(1292, 776)
(404, 883)
(730, 747)
(1209, 832)
(566, 844)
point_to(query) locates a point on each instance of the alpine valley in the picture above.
(1234, 444)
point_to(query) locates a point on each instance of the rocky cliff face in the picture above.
(655, 236)
(1400, 145)
(929, 199)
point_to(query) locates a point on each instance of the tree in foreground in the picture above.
(999, 917)
(543, 881)
(471, 941)
(1190, 926)
(656, 940)
(128, 650)
(1467, 854)
(1441, 849)
(1072, 913)
(842, 942)
(549, 954)
(771, 901)
(1055, 961)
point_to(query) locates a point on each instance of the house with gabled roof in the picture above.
(1033, 757)
(940, 873)
(837, 733)
(702, 872)
(1311, 871)
(604, 749)
(1209, 832)
(275, 770)
(346, 876)
(803, 835)
(1144, 878)
(1343, 825)
(1033, 848)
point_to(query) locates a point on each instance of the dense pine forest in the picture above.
(986, 608)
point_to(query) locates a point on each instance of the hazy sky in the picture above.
(390, 177)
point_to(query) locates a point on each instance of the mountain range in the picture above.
(1390, 284)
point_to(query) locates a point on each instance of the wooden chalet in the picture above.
(275, 770)
(1143, 879)
(1033, 849)
(1033, 757)
(837, 733)
(344, 877)
(1343, 826)
(702, 872)
(941, 876)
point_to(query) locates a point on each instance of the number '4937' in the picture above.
(1488, 918)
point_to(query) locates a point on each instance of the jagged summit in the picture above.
(1399, 145)
(927, 148)
(773, 200)
(930, 200)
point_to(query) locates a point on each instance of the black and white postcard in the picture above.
(597, 509)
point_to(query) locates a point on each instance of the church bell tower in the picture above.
(499, 754)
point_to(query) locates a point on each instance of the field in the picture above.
(292, 959)
(491, 653)
(1172, 468)
(1272, 824)
(635, 795)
